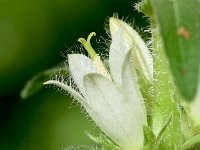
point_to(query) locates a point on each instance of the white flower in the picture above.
(113, 100)
(143, 61)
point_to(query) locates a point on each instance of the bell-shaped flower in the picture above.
(143, 61)
(112, 99)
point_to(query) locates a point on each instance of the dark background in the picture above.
(33, 35)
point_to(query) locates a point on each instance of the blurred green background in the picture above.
(33, 34)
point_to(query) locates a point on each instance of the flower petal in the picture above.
(134, 97)
(142, 57)
(113, 114)
(79, 66)
(117, 53)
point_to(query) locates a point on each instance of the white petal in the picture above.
(133, 96)
(79, 66)
(117, 53)
(143, 59)
(113, 114)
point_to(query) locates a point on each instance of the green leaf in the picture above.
(149, 137)
(36, 83)
(160, 136)
(151, 141)
(158, 139)
(165, 97)
(191, 142)
(179, 29)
